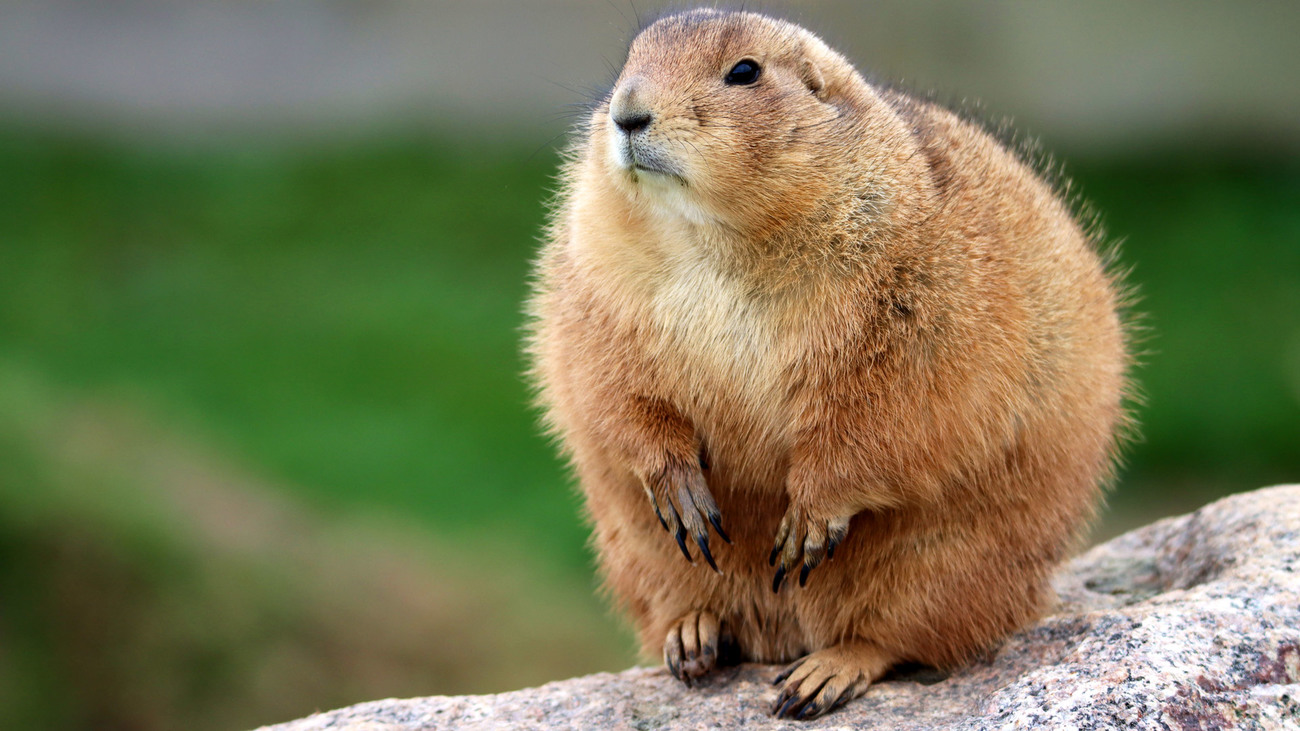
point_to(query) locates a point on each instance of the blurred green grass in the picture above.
(343, 322)
(1214, 245)
(147, 582)
(346, 319)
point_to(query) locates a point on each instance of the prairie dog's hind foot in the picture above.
(827, 679)
(694, 645)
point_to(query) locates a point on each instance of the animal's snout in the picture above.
(628, 106)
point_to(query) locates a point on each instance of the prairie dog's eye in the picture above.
(743, 73)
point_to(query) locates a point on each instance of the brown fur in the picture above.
(849, 304)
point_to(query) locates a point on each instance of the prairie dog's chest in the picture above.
(719, 338)
(716, 345)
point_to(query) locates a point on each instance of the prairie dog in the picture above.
(844, 326)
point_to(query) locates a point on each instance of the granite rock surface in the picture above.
(1189, 623)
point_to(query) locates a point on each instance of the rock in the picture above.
(1188, 623)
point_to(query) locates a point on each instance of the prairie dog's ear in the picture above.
(812, 76)
(827, 74)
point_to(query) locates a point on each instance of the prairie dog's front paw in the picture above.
(804, 539)
(681, 499)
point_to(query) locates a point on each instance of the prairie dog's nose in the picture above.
(633, 122)
(627, 108)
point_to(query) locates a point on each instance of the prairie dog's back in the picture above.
(1070, 302)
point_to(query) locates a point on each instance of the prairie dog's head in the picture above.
(725, 117)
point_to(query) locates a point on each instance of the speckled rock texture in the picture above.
(1188, 623)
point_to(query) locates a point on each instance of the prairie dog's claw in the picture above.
(803, 542)
(716, 520)
(685, 508)
(704, 549)
(681, 542)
